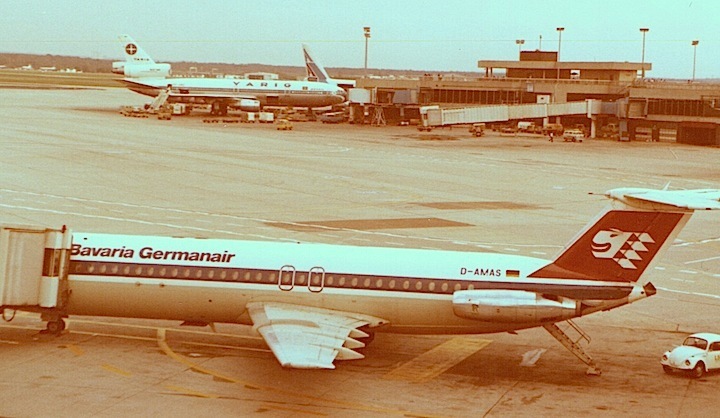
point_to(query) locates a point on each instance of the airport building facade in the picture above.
(683, 111)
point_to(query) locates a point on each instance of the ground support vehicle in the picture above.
(698, 354)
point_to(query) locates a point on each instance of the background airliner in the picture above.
(146, 77)
(316, 303)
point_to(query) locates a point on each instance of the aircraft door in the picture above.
(286, 277)
(316, 279)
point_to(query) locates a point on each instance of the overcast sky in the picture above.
(440, 35)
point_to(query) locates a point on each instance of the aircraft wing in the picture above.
(307, 337)
(703, 199)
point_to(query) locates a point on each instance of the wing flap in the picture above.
(308, 337)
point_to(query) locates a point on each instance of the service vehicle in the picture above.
(284, 125)
(333, 117)
(477, 129)
(698, 354)
(573, 135)
(554, 128)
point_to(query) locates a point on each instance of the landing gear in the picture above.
(55, 327)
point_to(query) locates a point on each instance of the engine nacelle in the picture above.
(512, 306)
(247, 105)
(141, 70)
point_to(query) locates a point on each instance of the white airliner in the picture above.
(317, 303)
(146, 77)
(316, 72)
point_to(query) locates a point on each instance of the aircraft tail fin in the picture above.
(313, 68)
(622, 242)
(134, 54)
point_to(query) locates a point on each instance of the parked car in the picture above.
(573, 135)
(283, 125)
(333, 117)
(698, 354)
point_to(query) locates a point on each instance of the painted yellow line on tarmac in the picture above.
(295, 410)
(327, 401)
(116, 370)
(431, 364)
(75, 349)
(186, 391)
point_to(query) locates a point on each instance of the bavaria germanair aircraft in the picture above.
(146, 77)
(317, 303)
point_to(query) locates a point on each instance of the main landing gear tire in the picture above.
(55, 327)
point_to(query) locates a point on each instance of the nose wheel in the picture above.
(55, 326)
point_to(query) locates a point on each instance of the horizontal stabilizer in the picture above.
(701, 199)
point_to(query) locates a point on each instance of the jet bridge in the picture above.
(34, 265)
(437, 117)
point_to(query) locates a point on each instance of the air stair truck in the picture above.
(34, 267)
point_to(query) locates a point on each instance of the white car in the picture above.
(698, 354)
(573, 135)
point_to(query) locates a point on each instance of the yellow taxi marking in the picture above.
(75, 349)
(191, 392)
(295, 410)
(116, 370)
(432, 363)
(162, 343)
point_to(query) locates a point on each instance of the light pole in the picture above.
(560, 31)
(694, 44)
(366, 31)
(644, 31)
(519, 43)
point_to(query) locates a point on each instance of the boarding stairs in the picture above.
(574, 344)
(160, 100)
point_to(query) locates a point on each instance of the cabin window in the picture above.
(431, 286)
(329, 280)
(444, 287)
(354, 282)
(406, 284)
(301, 279)
(379, 284)
(366, 283)
(391, 285)
(418, 285)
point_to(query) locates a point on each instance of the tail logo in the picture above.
(622, 247)
(131, 49)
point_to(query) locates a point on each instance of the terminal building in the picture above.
(645, 108)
